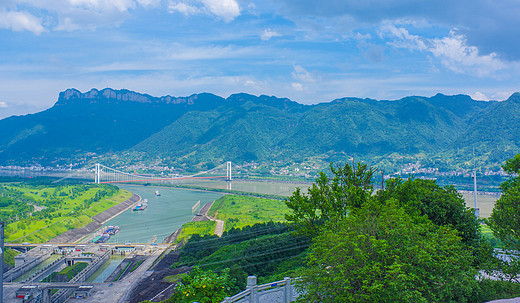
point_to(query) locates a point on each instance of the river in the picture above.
(164, 214)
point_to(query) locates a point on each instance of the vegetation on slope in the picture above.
(67, 273)
(37, 212)
(414, 241)
(239, 211)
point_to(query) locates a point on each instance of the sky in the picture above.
(308, 51)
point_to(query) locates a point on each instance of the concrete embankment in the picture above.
(201, 216)
(75, 235)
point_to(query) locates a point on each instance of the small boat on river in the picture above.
(141, 206)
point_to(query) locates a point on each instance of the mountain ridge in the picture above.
(206, 128)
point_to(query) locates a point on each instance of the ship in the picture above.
(157, 193)
(101, 239)
(141, 206)
(112, 230)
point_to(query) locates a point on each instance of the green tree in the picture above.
(505, 218)
(444, 206)
(203, 287)
(330, 198)
(383, 254)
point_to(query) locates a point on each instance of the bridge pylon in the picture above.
(97, 176)
(228, 171)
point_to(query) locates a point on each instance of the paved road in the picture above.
(219, 228)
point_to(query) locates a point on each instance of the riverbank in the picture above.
(202, 215)
(75, 235)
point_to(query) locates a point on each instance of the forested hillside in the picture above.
(205, 129)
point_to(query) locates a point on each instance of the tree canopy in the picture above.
(330, 198)
(505, 218)
(382, 254)
(203, 286)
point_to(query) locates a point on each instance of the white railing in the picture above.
(275, 292)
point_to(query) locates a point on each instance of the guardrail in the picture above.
(276, 292)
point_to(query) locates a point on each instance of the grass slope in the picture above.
(61, 208)
(240, 211)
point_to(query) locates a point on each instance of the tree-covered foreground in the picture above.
(413, 241)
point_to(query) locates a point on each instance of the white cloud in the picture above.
(182, 52)
(21, 21)
(461, 58)
(183, 8)
(121, 5)
(3, 105)
(225, 9)
(302, 74)
(149, 3)
(452, 51)
(67, 25)
(297, 86)
(479, 96)
(268, 34)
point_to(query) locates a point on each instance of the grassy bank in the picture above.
(196, 228)
(240, 211)
(37, 213)
(236, 212)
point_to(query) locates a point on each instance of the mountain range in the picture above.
(204, 129)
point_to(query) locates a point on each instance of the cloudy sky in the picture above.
(308, 51)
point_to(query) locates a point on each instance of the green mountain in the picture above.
(205, 129)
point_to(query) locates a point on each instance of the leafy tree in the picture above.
(444, 206)
(383, 254)
(203, 286)
(330, 198)
(505, 219)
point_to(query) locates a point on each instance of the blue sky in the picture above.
(308, 51)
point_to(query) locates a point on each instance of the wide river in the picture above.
(164, 214)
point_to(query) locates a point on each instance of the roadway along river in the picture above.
(164, 214)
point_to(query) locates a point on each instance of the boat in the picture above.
(112, 230)
(103, 238)
(141, 206)
(157, 193)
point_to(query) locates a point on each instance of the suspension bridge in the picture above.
(100, 174)
(105, 174)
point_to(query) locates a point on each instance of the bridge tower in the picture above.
(228, 171)
(97, 177)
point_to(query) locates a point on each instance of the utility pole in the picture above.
(2, 223)
(474, 175)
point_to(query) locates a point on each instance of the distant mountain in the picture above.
(205, 128)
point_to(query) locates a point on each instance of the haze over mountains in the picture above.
(205, 129)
